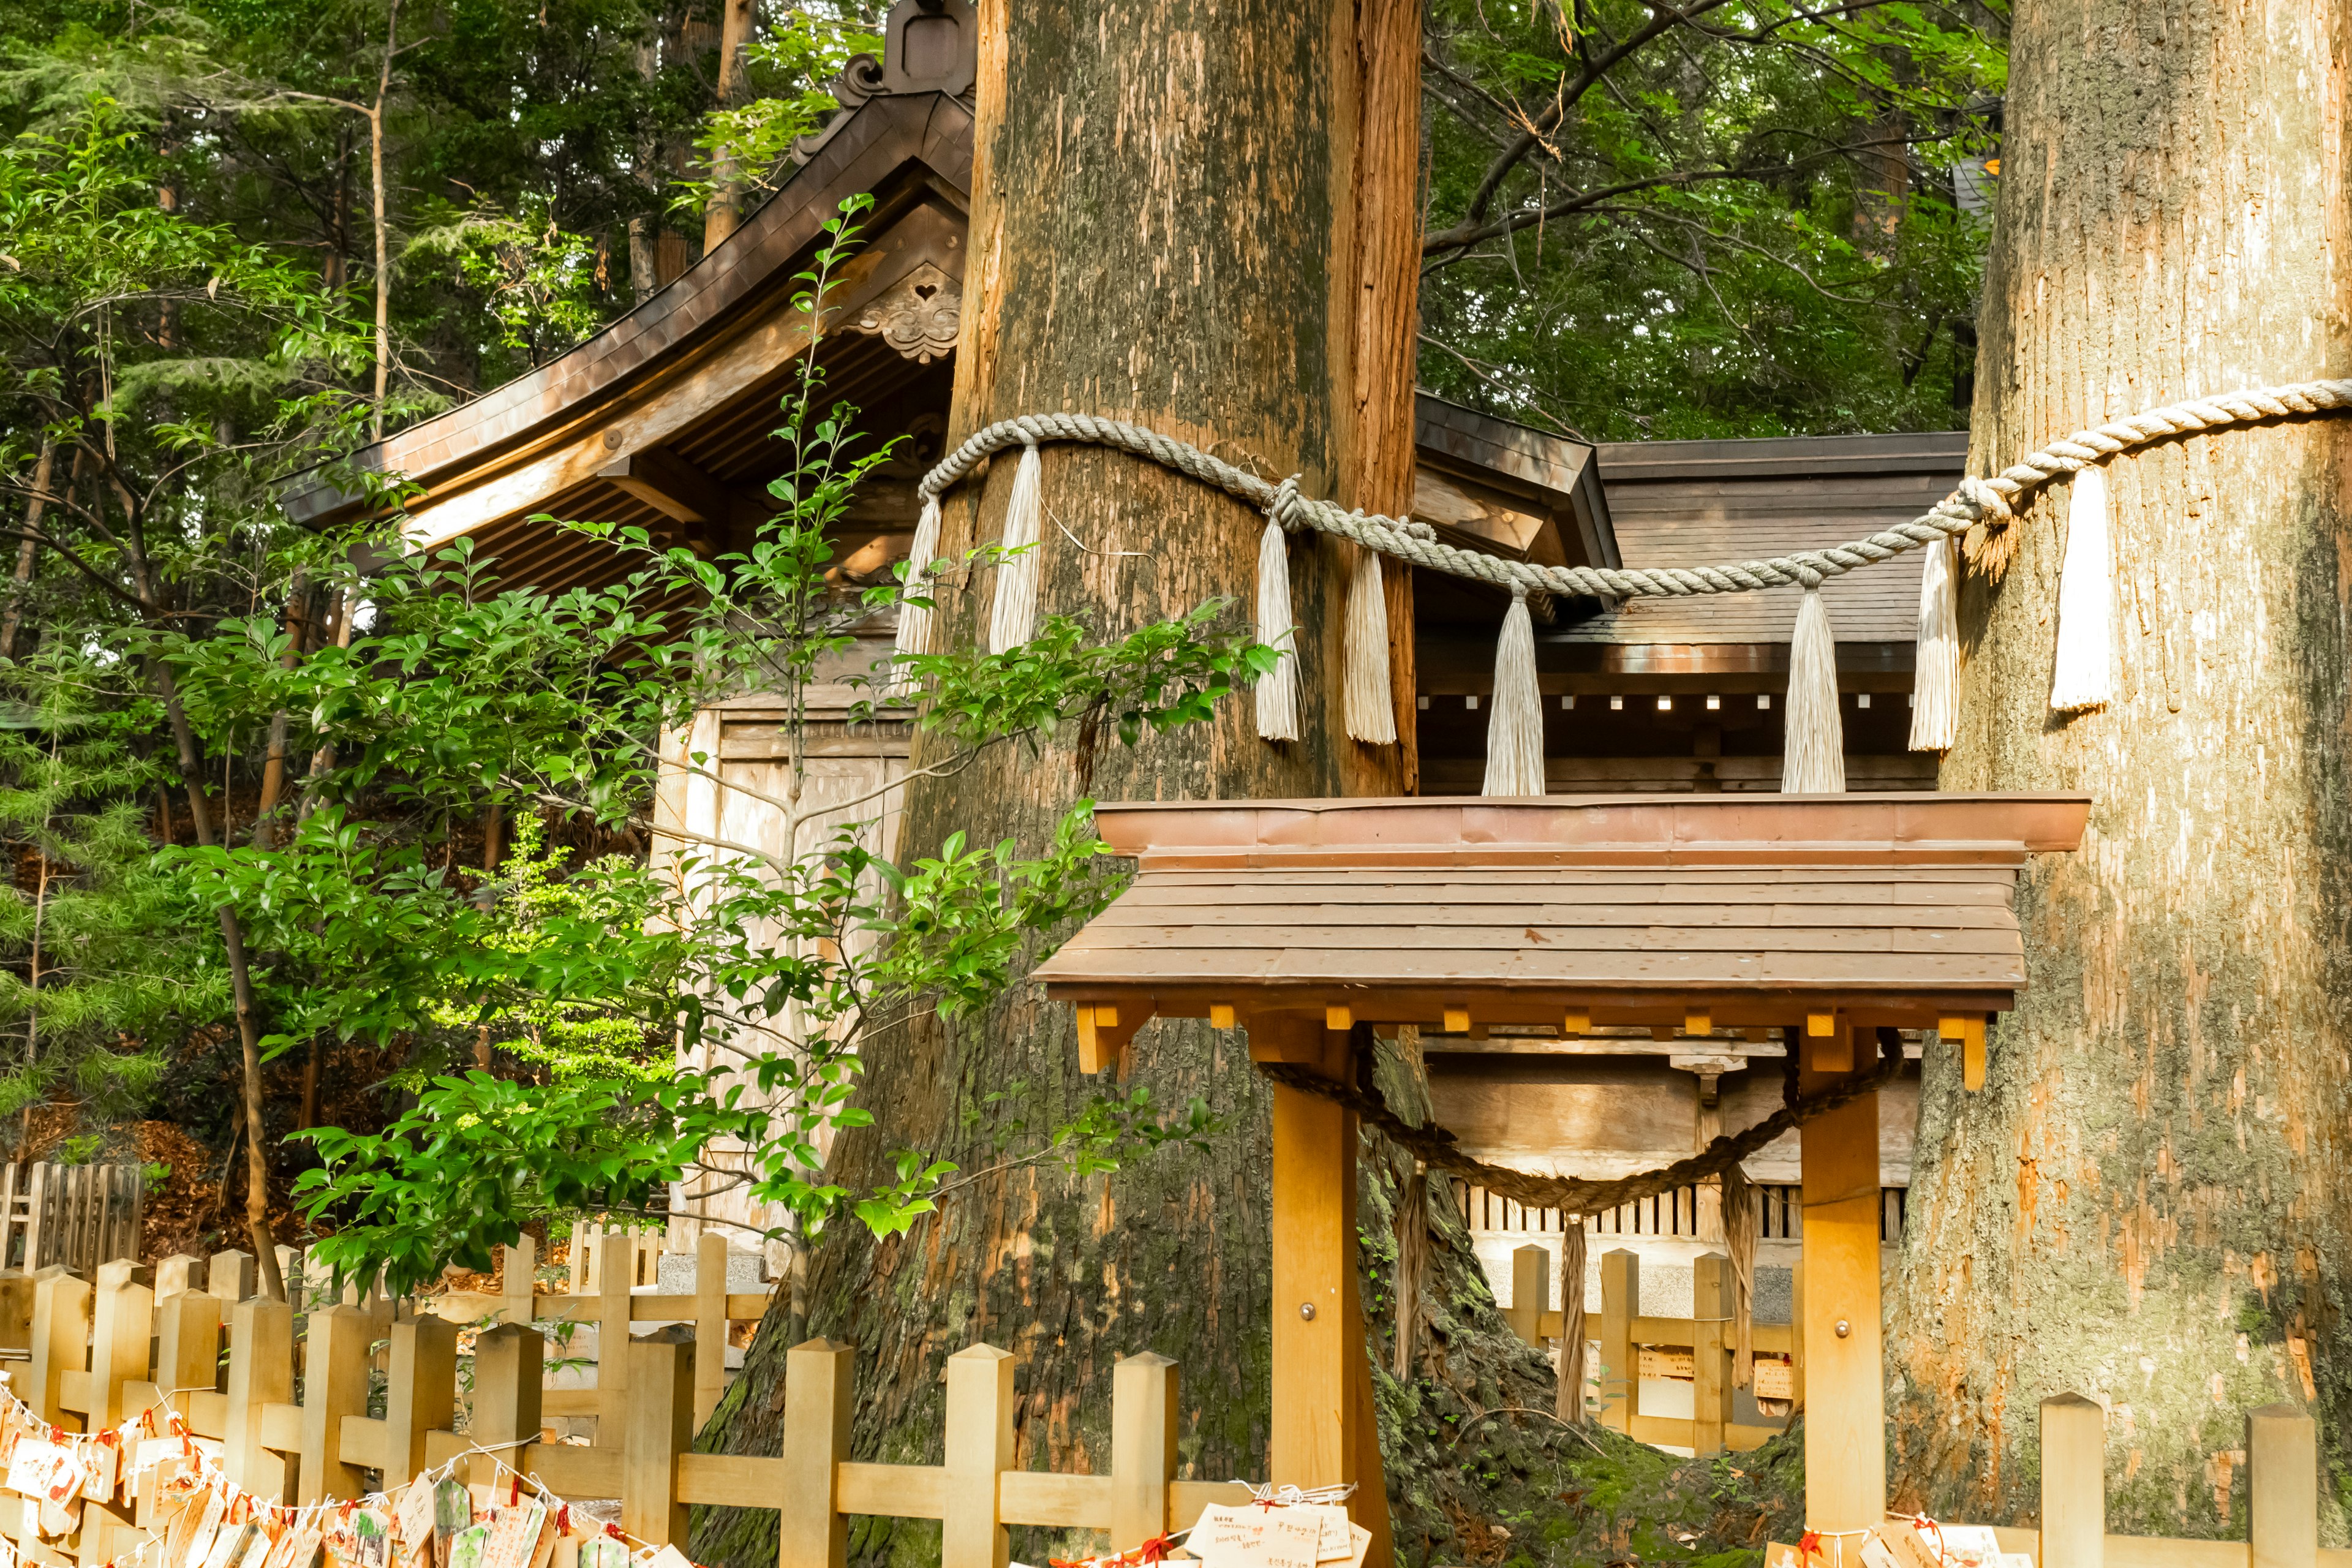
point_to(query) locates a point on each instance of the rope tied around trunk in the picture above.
(1973, 501)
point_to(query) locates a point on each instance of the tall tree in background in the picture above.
(2145, 1204)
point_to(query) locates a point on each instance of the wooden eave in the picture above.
(912, 153)
(1891, 908)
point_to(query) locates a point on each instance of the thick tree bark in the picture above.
(2145, 1204)
(1167, 228)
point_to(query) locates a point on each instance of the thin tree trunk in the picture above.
(273, 768)
(26, 552)
(383, 228)
(725, 212)
(2146, 1205)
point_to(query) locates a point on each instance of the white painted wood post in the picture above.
(2073, 1482)
(818, 1379)
(980, 1449)
(2283, 1483)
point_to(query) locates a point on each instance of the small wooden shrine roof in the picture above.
(1755, 910)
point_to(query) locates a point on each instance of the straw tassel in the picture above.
(1277, 689)
(2084, 676)
(1515, 753)
(1372, 716)
(1013, 620)
(1813, 760)
(915, 620)
(1936, 660)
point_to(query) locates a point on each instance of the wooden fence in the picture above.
(1690, 1211)
(79, 1216)
(1697, 1350)
(92, 1355)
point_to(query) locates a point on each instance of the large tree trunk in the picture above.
(1164, 229)
(2145, 1203)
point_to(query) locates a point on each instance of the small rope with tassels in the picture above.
(1814, 762)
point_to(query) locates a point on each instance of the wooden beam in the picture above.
(671, 486)
(1845, 1392)
(1104, 1031)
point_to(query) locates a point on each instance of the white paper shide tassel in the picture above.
(1515, 751)
(2084, 673)
(1813, 759)
(1277, 689)
(1372, 716)
(1935, 680)
(915, 620)
(1013, 620)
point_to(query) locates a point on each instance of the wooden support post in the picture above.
(420, 1393)
(62, 1313)
(16, 1311)
(811, 1532)
(187, 1346)
(2073, 1482)
(979, 1448)
(334, 1384)
(292, 1270)
(1323, 1420)
(661, 1427)
(123, 1331)
(616, 1267)
(1796, 1337)
(519, 1280)
(2283, 1486)
(230, 1276)
(1845, 1388)
(1711, 1347)
(1142, 1447)
(709, 1324)
(583, 1258)
(510, 1362)
(1972, 1052)
(260, 1371)
(1621, 1303)
(1530, 1293)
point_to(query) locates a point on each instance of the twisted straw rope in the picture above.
(1974, 502)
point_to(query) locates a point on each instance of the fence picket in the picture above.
(661, 1427)
(2073, 1482)
(2283, 1487)
(979, 1450)
(1142, 1447)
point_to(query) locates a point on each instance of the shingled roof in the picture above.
(1695, 503)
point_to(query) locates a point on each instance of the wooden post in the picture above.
(1142, 1447)
(230, 1275)
(584, 1257)
(2283, 1486)
(123, 1331)
(1796, 1337)
(16, 1311)
(517, 1277)
(1323, 1429)
(334, 1384)
(1846, 1387)
(291, 1270)
(187, 1346)
(179, 1272)
(1621, 1303)
(38, 1236)
(980, 1448)
(1530, 1293)
(62, 1313)
(260, 1371)
(510, 1362)
(615, 1264)
(1711, 1346)
(420, 1393)
(709, 1324)
(661, 1427)
(818, 1379)
(2073, 1482)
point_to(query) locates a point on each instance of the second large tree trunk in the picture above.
(1165, 230)
(2146, 1204)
